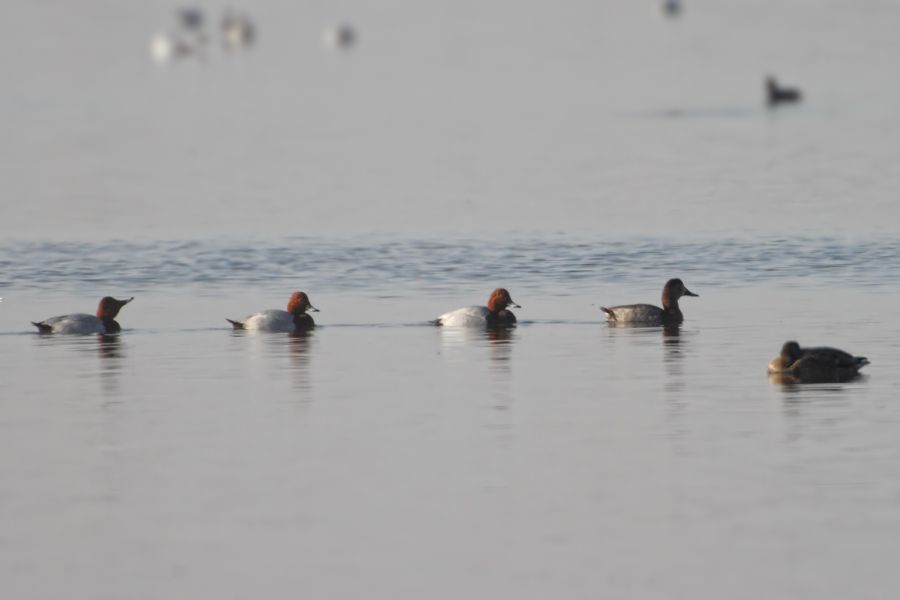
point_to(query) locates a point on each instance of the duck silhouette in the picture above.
(815, 365)
(776, 94)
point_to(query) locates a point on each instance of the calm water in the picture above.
(578, 155)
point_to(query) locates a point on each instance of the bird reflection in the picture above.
(673, 353)
(671, 335)
(111, 351)
(791, 385)
(109, 347)
(498, 341)
(298, 344)
(673, 344)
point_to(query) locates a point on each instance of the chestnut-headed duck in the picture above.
(80, 323)
(293, 319)
(776, 94)
(494, 314)
(647, 314)
(815, 365)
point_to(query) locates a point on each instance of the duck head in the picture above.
(790, 352)
(499, 300)
(299, 304)
(673, 290)
(109, 307)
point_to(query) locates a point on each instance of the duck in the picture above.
(165, 47)
(815, 365)
(647, 314)
(495, 314)
(80, 323)
(238, 31)
(341, 36)
(671, 8)
(191, 18)
(294, 319)
(777, 94)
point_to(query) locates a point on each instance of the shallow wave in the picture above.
(389, 264)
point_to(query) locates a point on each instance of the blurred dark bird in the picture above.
(191, 18)
(815, 365)
(776, 94)
(671, 8)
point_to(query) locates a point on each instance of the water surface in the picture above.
(579, 155)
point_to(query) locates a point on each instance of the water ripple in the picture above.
(383, 264)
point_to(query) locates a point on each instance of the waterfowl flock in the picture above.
(188, 36)
(795, 364)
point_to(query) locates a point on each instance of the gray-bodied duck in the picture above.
(495, 314)
(83, 324)
(815, 365)
(292, 320)
(647, 314)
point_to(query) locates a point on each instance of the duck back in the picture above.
(270, 320)
(635, 313)
(78, 323)
(468, 316)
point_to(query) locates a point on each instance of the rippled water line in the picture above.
(382, 263)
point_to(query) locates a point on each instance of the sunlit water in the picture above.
(578, 155)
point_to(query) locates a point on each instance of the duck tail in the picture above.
(436, 322)
(861, 361)
(236, 324)
(610, 315)
(42, 327)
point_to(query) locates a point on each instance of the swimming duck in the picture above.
(781, 95)
(494, 314)
(647, 314)
(80, 323)
(815, 365)
(291, 320)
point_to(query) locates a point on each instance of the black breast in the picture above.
(303, 321)
(501, 318)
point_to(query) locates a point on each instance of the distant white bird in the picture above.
(237, 30)
(341, 36)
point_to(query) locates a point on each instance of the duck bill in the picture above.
(122, 303)
(312, 308)
(688, 292)
(514, 305)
